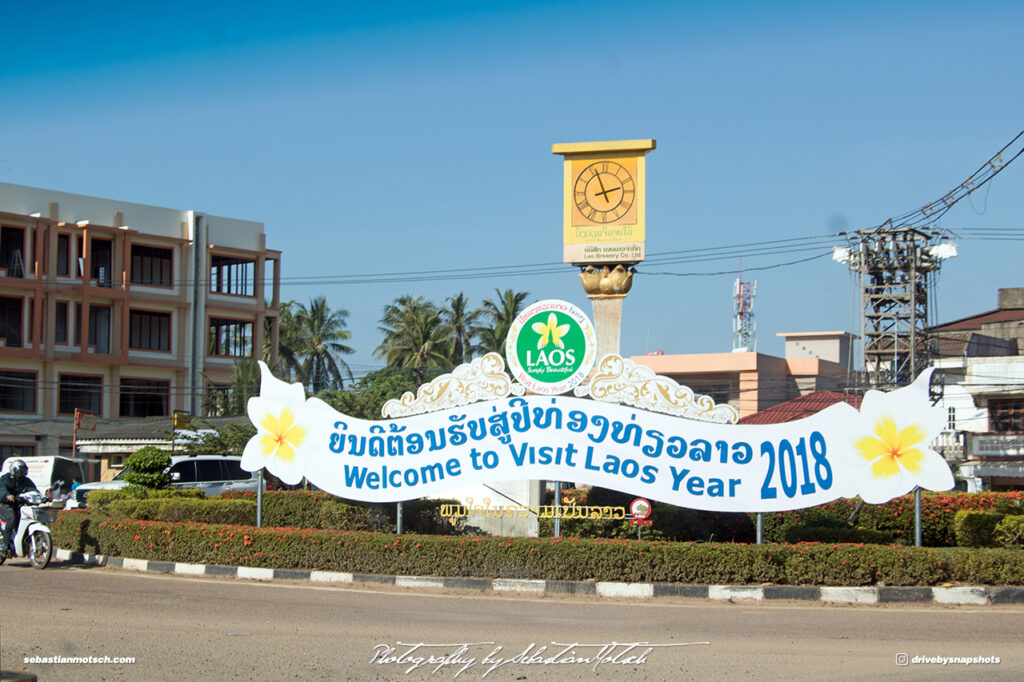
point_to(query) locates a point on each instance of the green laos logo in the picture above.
(551, 347)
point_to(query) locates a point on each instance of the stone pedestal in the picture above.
(607, 287)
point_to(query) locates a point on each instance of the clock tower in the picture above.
(603, 224)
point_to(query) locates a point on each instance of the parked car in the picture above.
(212, 474)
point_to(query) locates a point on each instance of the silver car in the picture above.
(212, 474)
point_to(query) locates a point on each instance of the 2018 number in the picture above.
(789, 474)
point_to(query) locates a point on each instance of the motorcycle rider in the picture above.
(12, 484)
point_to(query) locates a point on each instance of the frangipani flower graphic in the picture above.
(893, 445)
(277, 414)
(282, 436)
(551, 331)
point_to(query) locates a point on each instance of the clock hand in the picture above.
(607, 191)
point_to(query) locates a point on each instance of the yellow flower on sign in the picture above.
(551, 331)
(892, 448)
(282, 436)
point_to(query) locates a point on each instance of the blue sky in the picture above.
(417, 136)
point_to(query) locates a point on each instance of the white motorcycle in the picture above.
(32, 538)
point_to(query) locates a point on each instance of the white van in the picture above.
(51, 475)
(212, 474)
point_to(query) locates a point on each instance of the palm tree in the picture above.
(499, 313)
(321, 333)
(245, 383)
(414, 337)
(459, 322)
(289, 362)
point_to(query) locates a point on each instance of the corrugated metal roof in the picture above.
(975, 321)
(801, 407)
(151, 428)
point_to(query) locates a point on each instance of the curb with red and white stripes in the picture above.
(970, 596)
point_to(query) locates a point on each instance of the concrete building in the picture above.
(751, 381)
(116, 310)
(980, 370)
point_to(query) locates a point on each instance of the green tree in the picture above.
(229, 439)
(498, 314)
(289, 347)
(321, 335)
(459, 324)
(414, 337)
(230, 401)
(147, 467)
(365, 397)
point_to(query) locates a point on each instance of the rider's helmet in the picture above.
(18, 468)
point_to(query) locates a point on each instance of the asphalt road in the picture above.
(187, 629)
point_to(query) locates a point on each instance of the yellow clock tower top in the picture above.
(603, 216)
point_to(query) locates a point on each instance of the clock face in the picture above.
(604, 192)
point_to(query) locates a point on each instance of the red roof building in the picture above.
(801, 407)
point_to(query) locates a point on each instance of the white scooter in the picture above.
(32, 538)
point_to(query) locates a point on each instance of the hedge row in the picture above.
(317, 509)
(896, 517)
(536, 558)
(892, 522)
(213, 510)
(102, 499)
(989, 529)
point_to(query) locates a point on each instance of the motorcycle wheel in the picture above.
(40, 549)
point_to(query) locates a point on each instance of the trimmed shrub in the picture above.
(536, 558)
(669, 522)
(100, 500)
(896, 517)
(317, 509)
(147, 467)
(212, 510)
(830, 533)
(1010, 532)
(976, 528)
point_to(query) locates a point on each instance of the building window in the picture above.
(17, 391)
(63, 254)
(10, 321)
(218, 397)
(12, 251)
(81, 392)
(149, 330)
(1006, 415)
(951, 419)
(231, 338)
(145, 398)
(99, 327)
(232, 275)
(101, 259)
(151, 266)
(8, 450)
(60, 334)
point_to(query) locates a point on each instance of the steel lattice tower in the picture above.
(743, 326)
(896, 267)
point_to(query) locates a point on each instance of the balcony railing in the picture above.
(950, 444)
(995, 446)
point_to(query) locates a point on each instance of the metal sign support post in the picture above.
(917, 517)
(398, 519)
(259, 498)
(558, 500)
(760, 527)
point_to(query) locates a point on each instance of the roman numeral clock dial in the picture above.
(604, 192)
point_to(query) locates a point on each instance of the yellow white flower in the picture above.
(278, 413)
(893, 447)
(282, 435)
(551, 331)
